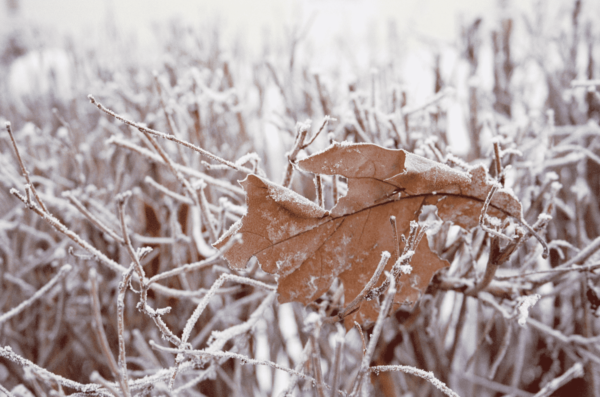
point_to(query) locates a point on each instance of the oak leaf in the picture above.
(308, 247)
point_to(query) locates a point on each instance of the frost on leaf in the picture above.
(308, 247)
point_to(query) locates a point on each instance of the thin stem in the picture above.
(170, 121)
(395, 235)
(5, 391)
(306, 353)
(126, 279)
(576, 371)
(7, 353)
(178, 167)
(204, 302)
(502, 352)
(121, 201)
(316, 361)
(362, 337)
(326, 120)
(337, 359)
(196, 265)
(39, 293)
(23, 169)
(322, 96)
(407, 369)
(209, 219)
(319, 189)
(535, 234)
(301, 131)
(484, 336)
(92, 218)
(228, 355)
(402, 264)
(52, 221)
(99, 328)
(334, 179)
(355, 304)
(498, 163)
(383, 312)
(146, 130)
(96, 377)
(483, 215)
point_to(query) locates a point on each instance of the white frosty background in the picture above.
(363, 31)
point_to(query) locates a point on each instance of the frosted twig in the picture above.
(197, 265)
(23, 169)
(361, 121)
(218, 339)
(192, 295)
(556, 334)
(585, 83)
(334, 178)
(402, 264)
(407, 369)
(22, 284)
(567, 339)
(126, 279)
(484, 336)
(362, 336)
(576, 148)
(383, 313)
(185, 170)
(97, 378)
(491, 385)
(535, 234)
(208, 218)
(322, 94)
(168, 117)
(7, 353)
(39, 293)
(99, 328)
(395, 235)
(222, 315)
(355, 304)
(216, 285)
(337, 359)
(554, 272)
(326, 120)
(301, 131)
(170, 193)
(121, 200)
(319, 190)
(580, 258)
(498, 163)
(483, 214)
(316, 355)
(5, 391)
(502, 351)
(236, 356)
(56, 224)
(92, 218)
(199, 378)
(306, 353)
(147, 131)
(576, 371)
(407, 111)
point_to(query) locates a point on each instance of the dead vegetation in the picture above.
(109, 214)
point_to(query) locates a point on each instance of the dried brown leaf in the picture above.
(308, 247)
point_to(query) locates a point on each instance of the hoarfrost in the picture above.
(525, 303)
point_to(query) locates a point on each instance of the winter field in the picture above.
(133, 262)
